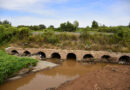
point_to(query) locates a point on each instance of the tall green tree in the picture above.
(129, 25)
(95, 24)
(35, 27)
(0, 22)
(6, 22)
(69, 27)
(42, 26)
(76, 24)
(51, 26)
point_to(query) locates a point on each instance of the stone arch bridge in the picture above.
(79, 55)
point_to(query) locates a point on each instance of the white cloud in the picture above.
(116, 14)
(23, 4)
(34, 21)
(121, 7)
(32, 6)
(16, 4)
(56, 21)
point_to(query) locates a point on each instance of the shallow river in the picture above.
(68, 70)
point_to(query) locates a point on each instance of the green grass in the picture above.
(10, 65)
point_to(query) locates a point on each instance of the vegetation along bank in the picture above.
(10, 65)
(67, 36)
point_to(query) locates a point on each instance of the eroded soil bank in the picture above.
(109, 78)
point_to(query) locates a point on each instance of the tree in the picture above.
(20, 26)
(34, 27)
(87, 28)
(51, 26)
(6, 22)
(95, 24)
(0, 22)
(42, 26)
(129, 25)
(76, 24)
(69, 27)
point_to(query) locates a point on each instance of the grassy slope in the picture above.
(9, 65)
(84, 41)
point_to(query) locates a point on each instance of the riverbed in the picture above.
(52, 78)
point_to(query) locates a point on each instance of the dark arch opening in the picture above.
(87, 56)
(26, 53)
(56, 55)
(41, 54)
(125, 59)
(71, 56)
(106, 58)
(14, 52)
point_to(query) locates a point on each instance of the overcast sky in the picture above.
(54, 12)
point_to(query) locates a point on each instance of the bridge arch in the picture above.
(71, 56)
(55, 55)
(106, 58)
(26, 53)
(86, 56)
(124, 59)
(41, 54)
(14, 52)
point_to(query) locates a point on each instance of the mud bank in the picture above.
(108, 78)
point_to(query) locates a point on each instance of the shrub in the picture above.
(84, 35)
(6, 34)
(23, 33)
(67, 36)
(9, 65)
(50, 37)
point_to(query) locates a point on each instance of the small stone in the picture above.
(51, 88)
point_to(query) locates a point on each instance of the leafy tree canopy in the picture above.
(69, 27)
(95, 24)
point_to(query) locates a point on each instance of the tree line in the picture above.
(69, 27)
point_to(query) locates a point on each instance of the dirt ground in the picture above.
(109, 78)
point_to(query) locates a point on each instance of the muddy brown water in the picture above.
(42, 80)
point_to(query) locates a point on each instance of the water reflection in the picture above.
(68, 70)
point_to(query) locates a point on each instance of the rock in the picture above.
(23, 71)
(51, 88)
(113, 69)
(14, 78)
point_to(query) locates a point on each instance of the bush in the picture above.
(9, 65)
(23, 33)
(123, 35)
(50, 37)
(6, 34)
(67, 36)
(84, 35)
